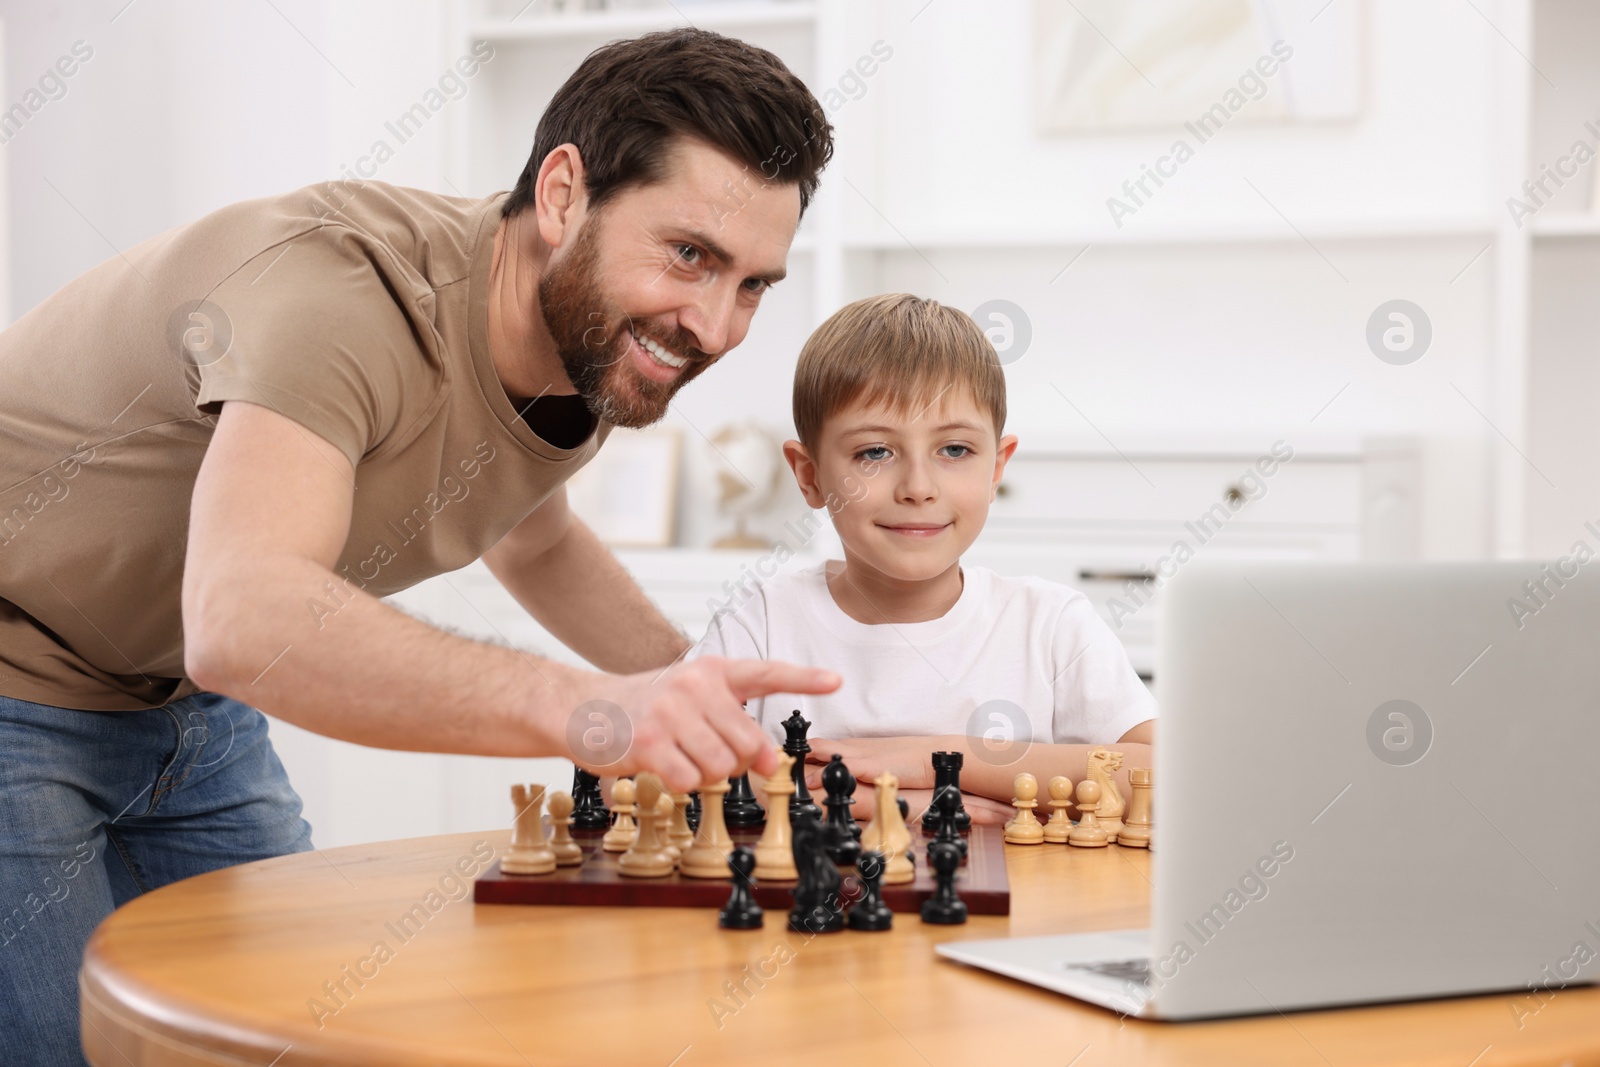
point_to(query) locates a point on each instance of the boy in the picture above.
(899, 404)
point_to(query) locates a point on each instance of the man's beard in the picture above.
(592, 338)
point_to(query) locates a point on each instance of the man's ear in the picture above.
(560, 195)
(1002, 456)
(805, 472)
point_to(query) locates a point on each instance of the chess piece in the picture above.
(664, 812)
(947, 771)
(530, 851)
(1109, 812)
(740, 808)
(843, 848)
(818, 903)
(648, 856)
(568, 852)
(1087, 834)
(1024, 828)
(678, 833)
(946, 803)
(1059, 826)
(1136, 830)
(796, 745)
(707, 857)
(840, 785)
(870, 912)
(692, 815)
(944, 908)
(741, 912)
(620, 836)
(887, 833)
(589, 806)
(775, 852)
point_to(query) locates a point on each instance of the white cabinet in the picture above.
(1118, 523)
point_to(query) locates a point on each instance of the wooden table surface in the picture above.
(229, 968)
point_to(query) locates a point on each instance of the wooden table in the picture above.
(226, 969)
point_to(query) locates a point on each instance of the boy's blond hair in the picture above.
(899, 350)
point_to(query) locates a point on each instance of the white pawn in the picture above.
(1088, 834)
(1059, 827)
(1024, 829)
(568, 852)
(678, 832)
(623, 831)
(664, 808)
(648, 856)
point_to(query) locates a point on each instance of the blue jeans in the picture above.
(98, 807)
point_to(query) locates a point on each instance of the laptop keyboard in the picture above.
(1135, 971)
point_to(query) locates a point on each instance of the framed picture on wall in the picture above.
(1103, 65)
(628, 494)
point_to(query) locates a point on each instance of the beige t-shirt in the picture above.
(360, 313)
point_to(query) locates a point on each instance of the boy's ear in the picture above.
(1002, 456)
(805, 473)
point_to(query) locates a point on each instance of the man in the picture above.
(219, 450)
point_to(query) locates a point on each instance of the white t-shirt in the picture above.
(1013, 659)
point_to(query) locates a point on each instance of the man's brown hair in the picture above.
(899, 350)
(629, 99)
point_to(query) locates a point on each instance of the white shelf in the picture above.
(1188, 446)
(1237, 233)
(730, 15)
(1570, 224)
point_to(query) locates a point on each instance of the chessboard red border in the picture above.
(980, 881)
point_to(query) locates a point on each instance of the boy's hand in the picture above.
(909, 759)
(983, 810)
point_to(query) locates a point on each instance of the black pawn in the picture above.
(741, 912)
(589, 810)
(946, 802)
(871, 913)
(843, 849)
(944, 908)
(841, 797)
(740, 808)
(795, 727)
(691, 814)
(947, 771)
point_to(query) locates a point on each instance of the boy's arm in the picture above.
(988, 770)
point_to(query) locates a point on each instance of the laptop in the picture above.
(1372, 783)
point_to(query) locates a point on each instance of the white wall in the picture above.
(185, 106)
(1153, 329)
(959, 148)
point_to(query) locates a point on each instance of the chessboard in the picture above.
(980, 880)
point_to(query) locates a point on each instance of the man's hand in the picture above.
(687, 723)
